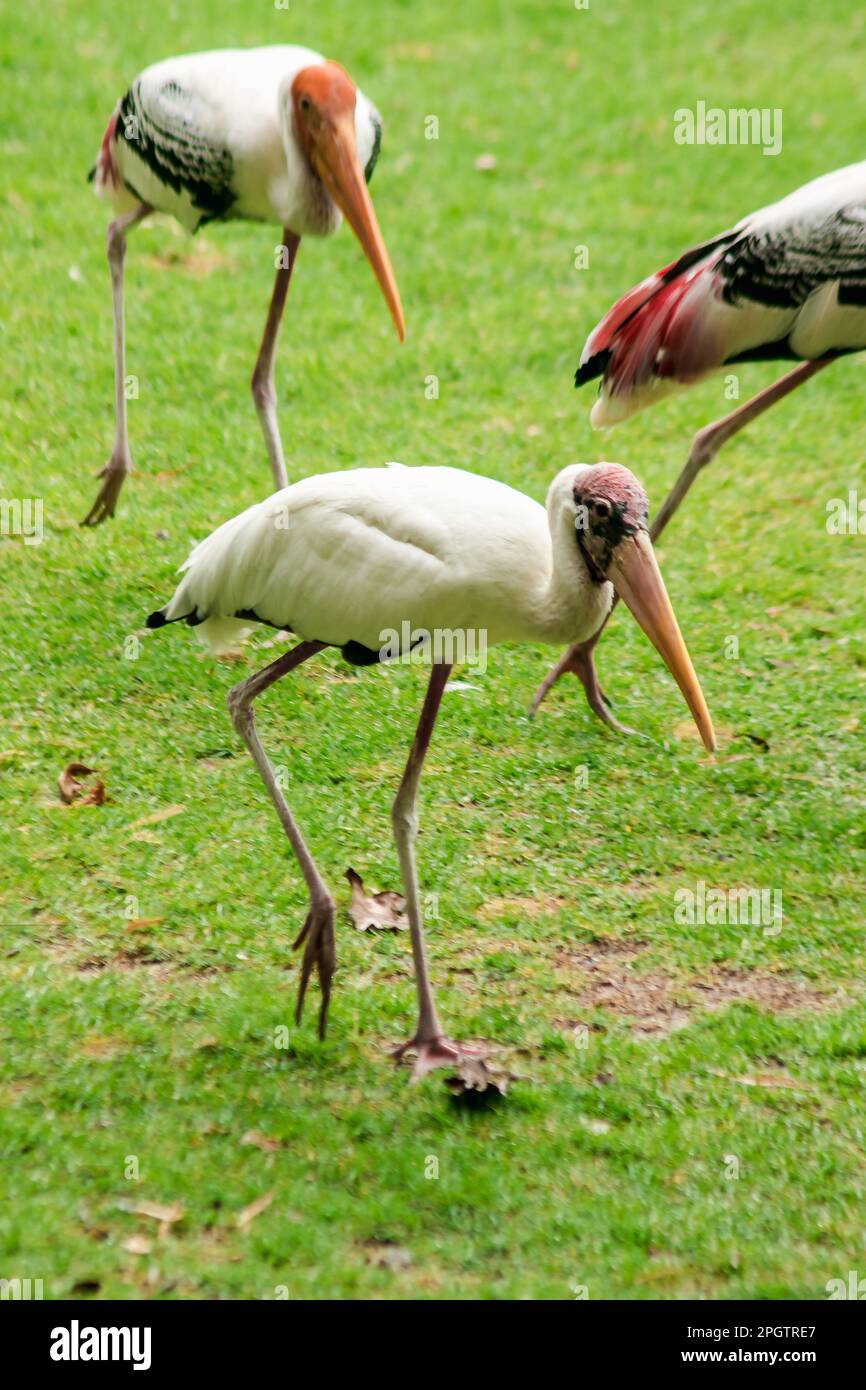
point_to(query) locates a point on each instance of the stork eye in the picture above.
(305, 103)
(602, 508)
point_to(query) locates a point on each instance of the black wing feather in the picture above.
(782, 266)
(377, 144)
(162, 131)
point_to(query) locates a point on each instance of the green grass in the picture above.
(606, 1167)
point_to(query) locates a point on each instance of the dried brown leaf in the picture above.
(254, 1209)
(158, 1211)
(375, 911)
(474, 1082)
(70, 784)
(138, 1244)
(262, 1141)
(95, 1045)
(768, 1079)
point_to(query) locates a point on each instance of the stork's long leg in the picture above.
(429, 1042)
(264, 390)
(579, 659)
(318, 929)
(120, 463)
(709, 440)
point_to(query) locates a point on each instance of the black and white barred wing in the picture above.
(171, 151)
(783, 267)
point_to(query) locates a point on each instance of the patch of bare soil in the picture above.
(525, 907)
(124, 960)
(129, 958)
(199, 259)
(605, 977)
(775, 993)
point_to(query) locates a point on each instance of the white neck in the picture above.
(571, 606)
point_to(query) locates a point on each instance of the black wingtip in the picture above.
(594, 366)
(157, 619)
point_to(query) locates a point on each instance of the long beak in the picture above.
(335, 156)
(635, 576)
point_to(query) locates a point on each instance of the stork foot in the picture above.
(114, 473)
(320, 950)
(440, 1051)
(579, 661)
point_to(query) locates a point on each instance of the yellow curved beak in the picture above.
(336, 161)
(636, 577)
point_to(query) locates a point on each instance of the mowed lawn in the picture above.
(690, 1118)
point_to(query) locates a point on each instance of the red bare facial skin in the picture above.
(627, 504)
(611, 530)
(321, 94)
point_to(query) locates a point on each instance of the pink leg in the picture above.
(318, 929)
(709, 440)
(120, 463)
(579, 659)
(432, 1047)
(264, 391)
(580, 662)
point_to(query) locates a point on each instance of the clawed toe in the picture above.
(106, 499)
(437, 1052)
(580, 661)
(320, 951)
(470, 1078)
(601, 709)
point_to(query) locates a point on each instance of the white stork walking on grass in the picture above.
(348, 559)
(266, 134)
(788, 282)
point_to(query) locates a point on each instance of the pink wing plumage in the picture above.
(786, 282)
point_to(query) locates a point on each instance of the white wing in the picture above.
(347, 557)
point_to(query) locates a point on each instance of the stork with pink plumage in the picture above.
(276, 134)
(787, 283)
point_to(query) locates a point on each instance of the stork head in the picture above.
(611, 511)
(323, 110)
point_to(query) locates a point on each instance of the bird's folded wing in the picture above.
(354, 572)
(782, 265)
(168, 134)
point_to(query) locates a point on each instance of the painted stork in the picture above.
(264, 134)
(348, 559)
(788, 282)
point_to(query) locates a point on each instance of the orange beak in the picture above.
(636, 578)
(335, 158)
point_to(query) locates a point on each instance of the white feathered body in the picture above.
(347, 557)
(206, 136)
